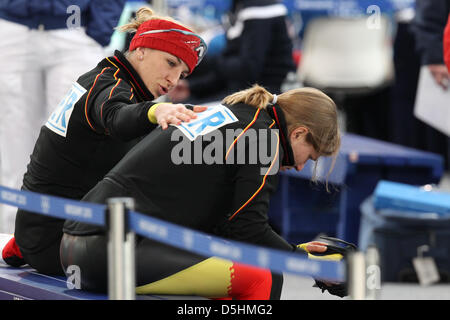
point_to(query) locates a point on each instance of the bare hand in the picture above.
(440, 74)
(167, 113)
(317, 246)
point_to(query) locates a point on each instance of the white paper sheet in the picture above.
(432, 102)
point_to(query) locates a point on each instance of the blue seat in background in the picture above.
(300, 210)
(399, 196)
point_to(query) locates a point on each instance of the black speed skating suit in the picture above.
(78, 145)
(229, 200)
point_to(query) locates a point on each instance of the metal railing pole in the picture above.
(121, 271)
(373, 273)
(357, 276)
(130, 269)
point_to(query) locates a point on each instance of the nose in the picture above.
(172, 78)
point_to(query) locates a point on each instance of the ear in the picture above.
(140, 52)
(298, 133)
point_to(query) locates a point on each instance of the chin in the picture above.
(156, 95)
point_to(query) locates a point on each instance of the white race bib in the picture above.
(207, 121)
(59, 119)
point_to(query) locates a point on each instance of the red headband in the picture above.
(176, 43)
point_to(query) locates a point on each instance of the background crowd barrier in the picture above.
(123, 223)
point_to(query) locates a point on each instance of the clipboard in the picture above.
(432, 103)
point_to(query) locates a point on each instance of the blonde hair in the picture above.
(307, 107)
(144, 14)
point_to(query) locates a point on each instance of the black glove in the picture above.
(339, 289)
(337, 250)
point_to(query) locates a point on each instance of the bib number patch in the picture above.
(207, 121)
(59, 119)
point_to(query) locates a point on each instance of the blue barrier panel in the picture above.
(207, 245)
(54, 206)
(178, 236)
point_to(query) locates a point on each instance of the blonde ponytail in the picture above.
(145, 14)
(256, 96)
(306, 107)
(142, 15)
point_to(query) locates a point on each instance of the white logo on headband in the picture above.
(200, 50)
